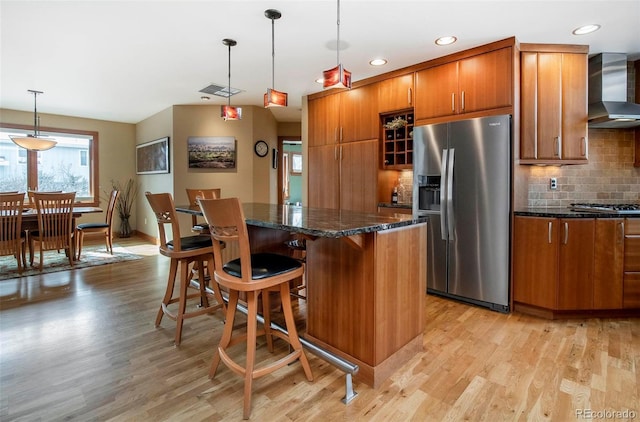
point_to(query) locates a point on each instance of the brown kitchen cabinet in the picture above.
(344, 176)
(553, 126)
(575, 263)
(477, 83)
(535, 261)
(343, 116)
(631, 278)
(608, 263)
(395, 93)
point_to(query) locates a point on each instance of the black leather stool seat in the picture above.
(263, 265)
(192, 242)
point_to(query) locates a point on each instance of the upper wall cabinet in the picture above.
(554, 104)
(395, 93)
(477, 83)
(344, 116)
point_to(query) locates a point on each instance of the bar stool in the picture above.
(255, 275)
(182, 251)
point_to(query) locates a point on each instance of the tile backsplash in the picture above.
(608, 178)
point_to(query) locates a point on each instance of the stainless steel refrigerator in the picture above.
(462, 182)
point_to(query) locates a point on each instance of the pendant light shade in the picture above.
(274, 98)
(34, 142)
(227, 112)
(338, 77)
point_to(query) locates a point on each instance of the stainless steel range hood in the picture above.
(608, 105)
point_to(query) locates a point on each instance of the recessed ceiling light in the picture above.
(205, 98)
(320, 80)
(446, 40)
(586, 29)
(378, 62)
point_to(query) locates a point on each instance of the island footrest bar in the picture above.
(344, 365)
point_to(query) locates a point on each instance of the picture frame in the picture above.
(296, 163)
(153, 157)
(212, 152)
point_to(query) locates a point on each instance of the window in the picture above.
(70, 166)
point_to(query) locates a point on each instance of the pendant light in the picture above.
(34, 142)
(274, 98)
(228, 112)
(338, 77)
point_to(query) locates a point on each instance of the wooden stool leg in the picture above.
(182, 303)
(291, 329)
(169, 292)
(204, 300)
(215, 286)
(252, 322)
(226, 333)
(266, 314)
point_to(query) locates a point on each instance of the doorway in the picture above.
(290, 170)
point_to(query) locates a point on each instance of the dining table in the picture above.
(365, 277)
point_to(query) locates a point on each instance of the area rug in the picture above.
(92, 256)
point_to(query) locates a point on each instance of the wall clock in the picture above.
(261, 148)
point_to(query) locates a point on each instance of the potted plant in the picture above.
(128, 194)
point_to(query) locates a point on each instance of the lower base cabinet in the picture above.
(576, 264)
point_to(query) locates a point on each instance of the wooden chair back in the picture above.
(194, 194)
(164, 208)
(113, 200)
(227, 226)
(30, 194)
(55, 217)
(11, 223)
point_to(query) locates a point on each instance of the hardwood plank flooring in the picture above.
(82, 346)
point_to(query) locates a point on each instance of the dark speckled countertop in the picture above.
(316, 221)
(405, 205)
(564, 212)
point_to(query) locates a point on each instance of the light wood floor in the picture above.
(82, 346)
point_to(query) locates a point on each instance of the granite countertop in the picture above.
(318, 222)
(565, 212)
(398, 205)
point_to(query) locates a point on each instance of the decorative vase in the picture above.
(125, 227)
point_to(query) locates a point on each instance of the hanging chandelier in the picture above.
(274, 98)
(227, 112)
(34, 142)
(338, 77)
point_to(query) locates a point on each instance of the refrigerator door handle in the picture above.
(443, 194)
(450, 221)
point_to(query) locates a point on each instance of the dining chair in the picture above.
(12, 237)
(255, 275)
(99, 228)
(182, 251)
(194, 195)
(55, 224)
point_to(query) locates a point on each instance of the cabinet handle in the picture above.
(341, 134)
(335, 153)
(566, 233)
(453, 102)
(409, 96)
(550, 230)
(335, 135)
(583, 147)
(462, 100)
(621, 240)
(556, 146)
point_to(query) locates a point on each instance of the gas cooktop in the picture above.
(607, 208)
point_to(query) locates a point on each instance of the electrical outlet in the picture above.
(553, 183)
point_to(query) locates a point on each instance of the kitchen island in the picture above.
(366, 280)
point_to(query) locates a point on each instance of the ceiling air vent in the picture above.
(220, 91)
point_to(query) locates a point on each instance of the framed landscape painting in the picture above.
(153, 157)
(212, 152)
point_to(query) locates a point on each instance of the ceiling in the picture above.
(124, 61)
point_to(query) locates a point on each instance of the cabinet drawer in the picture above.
(632, 226)
(631, 290)
(632, 253)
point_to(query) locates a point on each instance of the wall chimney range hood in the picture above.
(608, 105)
